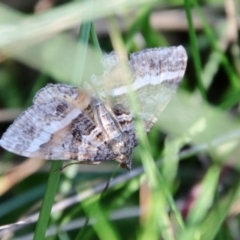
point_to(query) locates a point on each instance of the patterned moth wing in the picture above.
(69, 124)
(66, 123)
(154, 76)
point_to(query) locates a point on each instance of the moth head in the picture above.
(127, 164)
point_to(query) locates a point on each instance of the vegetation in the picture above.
(184, 183)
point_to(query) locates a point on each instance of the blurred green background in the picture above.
(184, 182)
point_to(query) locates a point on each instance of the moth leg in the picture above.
(77, 162)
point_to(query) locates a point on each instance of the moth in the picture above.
(71, 123)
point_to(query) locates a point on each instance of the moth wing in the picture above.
(157, 75)
(56, 130)
(153, 74)
(55, 91)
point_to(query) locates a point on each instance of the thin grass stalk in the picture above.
(48, 200)
(194, 48)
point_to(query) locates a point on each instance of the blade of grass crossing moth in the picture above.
(147, 160)
(54, 177)
(148, 163)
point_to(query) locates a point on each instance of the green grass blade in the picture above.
(94, 38)
(233, 78)
(212, 224)
(48, 199)
(194, 48)
(54, 178)
(81, 53)
(206, 197)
